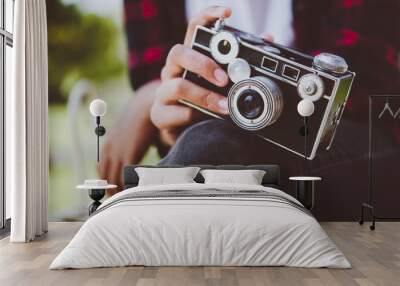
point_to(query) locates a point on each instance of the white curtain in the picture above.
(26, 117)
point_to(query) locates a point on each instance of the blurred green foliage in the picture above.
(79, 46)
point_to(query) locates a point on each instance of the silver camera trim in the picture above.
(232, 71)
(331, 63)
(248, 124)
(232, 40)
(285, 66)
(271, 96)
(320, 87)
(272, 60)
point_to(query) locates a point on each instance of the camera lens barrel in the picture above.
(255, 103)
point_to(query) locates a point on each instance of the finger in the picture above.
(118, 175)
(111, 192)
(268, 37)
(208, 16)
(172, 116)
(114, 171)
(169, 137)
(170, 131)
(181, 58)
(121, 179)
(179, 88)
(128, 160)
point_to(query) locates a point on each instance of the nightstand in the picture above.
(305, 187)
(97, 190)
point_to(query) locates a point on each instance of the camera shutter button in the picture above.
(330, 63)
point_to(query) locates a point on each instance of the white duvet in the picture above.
(200, 231)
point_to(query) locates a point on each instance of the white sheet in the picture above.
(200, 231)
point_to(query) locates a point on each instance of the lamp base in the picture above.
(96, 195)
(305, 193)
(305, 190)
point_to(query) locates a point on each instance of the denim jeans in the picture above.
(219, 142)
(344, 168)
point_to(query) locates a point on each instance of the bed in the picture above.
(201, 224)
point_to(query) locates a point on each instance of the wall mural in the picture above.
(291, 90)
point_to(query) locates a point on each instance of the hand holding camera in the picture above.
(167, 113)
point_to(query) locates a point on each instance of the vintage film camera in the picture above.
(267, 81)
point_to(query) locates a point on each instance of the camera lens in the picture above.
(255, 103)
(224, 47)
(250, 104)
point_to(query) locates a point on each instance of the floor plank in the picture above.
(375, 257)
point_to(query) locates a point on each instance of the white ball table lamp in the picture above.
(96, 187)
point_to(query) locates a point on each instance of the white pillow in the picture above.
(248, 177)
(163, 176)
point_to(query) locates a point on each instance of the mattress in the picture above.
(201, 225)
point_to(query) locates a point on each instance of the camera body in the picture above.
(267, 82)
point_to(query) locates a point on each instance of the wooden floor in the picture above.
(375, 257)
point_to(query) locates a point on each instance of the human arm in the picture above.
(131, 135)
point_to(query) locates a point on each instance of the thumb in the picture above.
(268, 37)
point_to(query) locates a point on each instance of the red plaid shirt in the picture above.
(365, 32)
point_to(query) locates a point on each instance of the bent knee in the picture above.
(211, 142)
